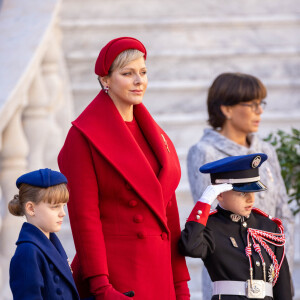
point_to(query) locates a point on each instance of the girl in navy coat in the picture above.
(39, 268)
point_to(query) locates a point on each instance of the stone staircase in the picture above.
(189, 43)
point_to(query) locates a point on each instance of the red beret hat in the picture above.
(109, 53)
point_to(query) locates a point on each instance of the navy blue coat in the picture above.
(39, 268)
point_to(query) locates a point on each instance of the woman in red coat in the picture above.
(122, 171)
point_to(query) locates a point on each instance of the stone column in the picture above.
(59, 112)
(36, 122)
(54, 89)
(65, 114)
(13, 164)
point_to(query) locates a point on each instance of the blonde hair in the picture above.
(125, 58)
(54, 194)
(122, 60)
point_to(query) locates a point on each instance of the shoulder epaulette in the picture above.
(212, 212)
(262, 213)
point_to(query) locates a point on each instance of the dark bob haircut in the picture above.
(229, 89)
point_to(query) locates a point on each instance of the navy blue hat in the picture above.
(42, 178)
(241, 171)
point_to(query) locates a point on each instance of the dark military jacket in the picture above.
(221, 245)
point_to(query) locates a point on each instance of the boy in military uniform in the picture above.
(241, 246)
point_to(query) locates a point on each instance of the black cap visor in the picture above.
(250, 187)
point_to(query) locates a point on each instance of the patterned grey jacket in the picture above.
(274, 201)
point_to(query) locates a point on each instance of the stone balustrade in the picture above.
(35, 105)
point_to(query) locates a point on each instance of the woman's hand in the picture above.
(213, 191)
(103, 290)
(111, 294)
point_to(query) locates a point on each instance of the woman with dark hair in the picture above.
(235, 103)
(122, 172)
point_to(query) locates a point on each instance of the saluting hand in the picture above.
(212, 192)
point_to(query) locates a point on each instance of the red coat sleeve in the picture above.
(75, 162)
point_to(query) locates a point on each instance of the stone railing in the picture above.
(35, 105)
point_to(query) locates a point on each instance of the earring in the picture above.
(106, 89)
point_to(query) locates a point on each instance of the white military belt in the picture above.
(259, 289)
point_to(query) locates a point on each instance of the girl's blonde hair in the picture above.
(54, 194)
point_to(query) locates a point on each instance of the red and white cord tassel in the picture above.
(277, 239)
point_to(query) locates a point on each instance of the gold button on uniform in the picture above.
(244, 224)
(258, 263)
(197, 217)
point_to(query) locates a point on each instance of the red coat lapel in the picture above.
(164, 149)
(104, 127)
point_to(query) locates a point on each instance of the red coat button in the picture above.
(141, 235)
(170, 203)
(132, 203)
(138, 219)
(128, 186)
(164, 236)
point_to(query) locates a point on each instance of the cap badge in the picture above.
(256, 161)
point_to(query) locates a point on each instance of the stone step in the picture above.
(173, 8)
(200, 65)
(263, 31)
(175, 97)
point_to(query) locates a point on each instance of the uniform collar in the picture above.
(51, 248)
(232, 216)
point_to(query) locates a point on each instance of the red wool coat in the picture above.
(124, 218)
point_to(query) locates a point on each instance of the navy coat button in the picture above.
(132, 203)
(141, 235)
(51, 267)
(164, 236)
(56, 278)
(58, 291)
(138, 219)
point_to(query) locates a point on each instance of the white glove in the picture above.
(213, 191)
